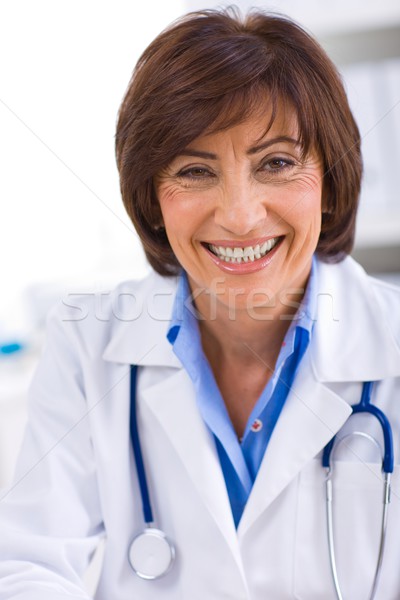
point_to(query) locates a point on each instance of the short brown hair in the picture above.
(209, 70)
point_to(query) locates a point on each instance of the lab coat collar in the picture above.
(352, 338)
(141, 321)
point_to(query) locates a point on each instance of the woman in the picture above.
(240, 167)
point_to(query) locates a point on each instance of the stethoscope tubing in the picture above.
(155, 543)
(387, 469)
(137, 451)
(150, 554)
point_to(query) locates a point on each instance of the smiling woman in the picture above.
(206, 414)
(210, 72)
(249, 205)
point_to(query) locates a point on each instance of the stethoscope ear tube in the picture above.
(330, 532)
(387, 468)
(365, 406)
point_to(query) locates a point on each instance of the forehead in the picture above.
(262, 123)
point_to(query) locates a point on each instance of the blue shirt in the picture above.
(240, 460)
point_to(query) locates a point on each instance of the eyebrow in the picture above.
(198, 153)
(250, 151)
(266, 144)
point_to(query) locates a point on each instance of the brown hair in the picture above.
(209, 71)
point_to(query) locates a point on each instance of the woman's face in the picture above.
(242, 212)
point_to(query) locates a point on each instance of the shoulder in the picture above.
(357, 330)
(388, 298)
(351, 274)
(89, 320)
(388, 294)
(355, 290)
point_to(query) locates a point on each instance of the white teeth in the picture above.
(239, 255)
(248, 251)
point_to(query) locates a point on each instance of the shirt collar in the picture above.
(184, 313)
(305, 315)
(183, 332)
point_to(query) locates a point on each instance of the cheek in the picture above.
(180, 210)
(305, 210)
(169, 197)
(180, 220)
(303, 217)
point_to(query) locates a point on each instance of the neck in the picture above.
(243, 336)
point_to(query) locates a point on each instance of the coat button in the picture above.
(257, 425)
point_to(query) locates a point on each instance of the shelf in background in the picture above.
(378, 230)
(379, 259)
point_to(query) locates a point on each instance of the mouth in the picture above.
(243, 254)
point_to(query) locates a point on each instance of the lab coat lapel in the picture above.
(171, 397)
(310, 417)
(172, 402)
(352, 337)
(143, 312)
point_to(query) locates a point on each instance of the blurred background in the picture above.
(64, 69)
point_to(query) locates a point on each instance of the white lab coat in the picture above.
(76, 480)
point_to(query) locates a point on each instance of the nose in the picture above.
(241, 209)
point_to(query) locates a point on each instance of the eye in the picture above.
(277, 164)
(195, 173)
(275, 168)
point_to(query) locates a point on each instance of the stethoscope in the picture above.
(151, 554)
(364, 406)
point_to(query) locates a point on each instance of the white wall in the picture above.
(320, 17)
(64, 68)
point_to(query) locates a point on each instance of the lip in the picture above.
(244, 268)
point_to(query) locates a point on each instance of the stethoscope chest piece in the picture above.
(151, 554)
